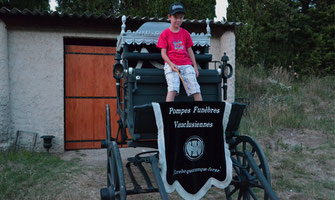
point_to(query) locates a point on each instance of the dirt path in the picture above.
(93, 163)
(87, 185)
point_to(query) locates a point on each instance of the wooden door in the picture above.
(89, 86)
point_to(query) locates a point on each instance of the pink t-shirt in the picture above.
(176, 45)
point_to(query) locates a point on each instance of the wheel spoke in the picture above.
(253, 151)
(244, 174)
(237, 154)
(239, 195)
(118, 133)
(256, 185)
(236, 166)
(232, 192)
(247, 196)
(252, 193)
(228, 193)
(243, 149)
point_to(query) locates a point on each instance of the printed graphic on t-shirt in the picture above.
(178, 45)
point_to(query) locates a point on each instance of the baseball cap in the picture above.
(176, 7)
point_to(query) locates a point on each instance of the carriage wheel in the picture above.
(105, 143)
(245, 184)
(115, 175)
(115, 180)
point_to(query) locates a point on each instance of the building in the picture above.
(35, 49)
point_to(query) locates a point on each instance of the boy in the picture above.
(176, 50)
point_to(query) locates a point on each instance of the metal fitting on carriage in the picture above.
(130, 70)
(219, 71)
(226, 69)
(118, 69)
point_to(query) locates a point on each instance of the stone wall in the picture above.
(4, 89)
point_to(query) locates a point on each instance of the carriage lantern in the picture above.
(118, 71)
(227, 69)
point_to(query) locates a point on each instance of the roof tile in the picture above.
(88, 15)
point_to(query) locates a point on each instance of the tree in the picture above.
(296, 34)
(41, 5)
(98, 7)
(322, 53)
(195, 9)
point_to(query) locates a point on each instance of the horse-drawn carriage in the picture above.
(140, 81)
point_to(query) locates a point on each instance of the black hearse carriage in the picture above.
(140, 81)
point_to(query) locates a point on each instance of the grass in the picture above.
(31, 175)
(284, 102)
(293, 120)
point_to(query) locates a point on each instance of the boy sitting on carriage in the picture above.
(176, 50)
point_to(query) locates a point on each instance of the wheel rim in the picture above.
(245, 184)
(115, 177)
(108, 124)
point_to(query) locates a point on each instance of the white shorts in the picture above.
(187, 73)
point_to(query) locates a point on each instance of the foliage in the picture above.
(106, 7)
(22, 4)
(195, 9)
(297, 35)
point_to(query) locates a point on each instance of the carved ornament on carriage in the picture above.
(149, 33)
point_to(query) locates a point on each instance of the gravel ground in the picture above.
(93, 163)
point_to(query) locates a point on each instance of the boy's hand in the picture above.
(196, 71)
(174, 67)
(168, 61)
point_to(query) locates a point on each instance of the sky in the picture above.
(53, 5)
(220, 10)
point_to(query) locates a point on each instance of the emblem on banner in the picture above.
(194, 148)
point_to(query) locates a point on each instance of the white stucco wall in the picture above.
(219, 46)
(36, 68)
(4, 88)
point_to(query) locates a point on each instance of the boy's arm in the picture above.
(194, 63)
(168, 61)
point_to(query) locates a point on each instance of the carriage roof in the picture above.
(149, 33)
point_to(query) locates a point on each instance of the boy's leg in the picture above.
(197, 97)
(170, 96)
(191, 82)
(173, 83)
